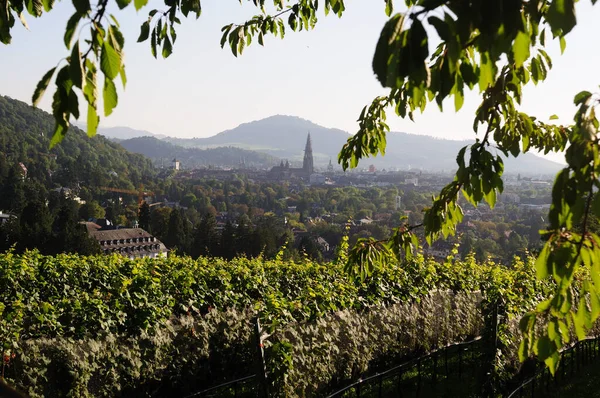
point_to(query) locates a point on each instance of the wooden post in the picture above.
(261, 371)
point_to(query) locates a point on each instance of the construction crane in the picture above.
(140, 192)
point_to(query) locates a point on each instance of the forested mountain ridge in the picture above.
(90, 162)
(162, 151)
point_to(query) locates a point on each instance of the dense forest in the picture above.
(43, 187)
(89, 162)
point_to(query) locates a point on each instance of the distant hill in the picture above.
(78, 160)
(285, 137)
(280, 136)
(161, 151)
(429, 153)
(120, 133)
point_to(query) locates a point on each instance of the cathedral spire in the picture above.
(308, 164)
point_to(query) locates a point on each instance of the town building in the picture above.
(129, 242)
(284, 171)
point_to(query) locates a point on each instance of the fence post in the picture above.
(400, 383)
(533, 384)
(578, 355)
(261, 372)
(446, 361)
(434, 367)
(459, 362)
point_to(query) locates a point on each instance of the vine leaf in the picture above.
(42, 86)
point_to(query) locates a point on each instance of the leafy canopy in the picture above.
(493, 46)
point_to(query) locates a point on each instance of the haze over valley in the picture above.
(266, 142)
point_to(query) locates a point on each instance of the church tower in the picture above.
(308, 165)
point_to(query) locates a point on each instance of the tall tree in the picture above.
(206, 238)
(159, 222)
(69, 236)
(227, 245)
(91, 209)
(178, 234)
(144, 216)
(12, 196)
(35, 226)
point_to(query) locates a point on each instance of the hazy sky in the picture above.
(324, 75)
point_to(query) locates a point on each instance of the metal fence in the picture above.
(445, 371)
(572, 360)
(243, 387)
(251, 386)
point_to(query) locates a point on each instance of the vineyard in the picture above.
(106, 326)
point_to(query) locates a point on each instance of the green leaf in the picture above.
(123, 76)
(442, 28)
(173, 34)
(542, 265)
(582, 320)
(82, 6)
(73, 104)
(561, 16)
(144, 32)
(523, 350)
(42, 86)
(167, 48)
(92, 121)
(76, 66)
(563, 45)
(554, 117)
(116, 38)
(109, 94)
(71, 27)
(139, 4)
(545, 348)
(123, 3)
(90, 87)
(521, 48)
(581, 97)
(34, 7)
(384, 48)
(552, 362)
(389, 7)
(153, 43)
(110, 61)
(58, 135)
(486, 72)
(459, 98)
(48, 4)
(595, 304)
(564, 332)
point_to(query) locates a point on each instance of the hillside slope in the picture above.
(25, 137)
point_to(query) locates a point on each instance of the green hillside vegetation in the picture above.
(90, 162)
(175, 326)
(43, 188)
(160, 151)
